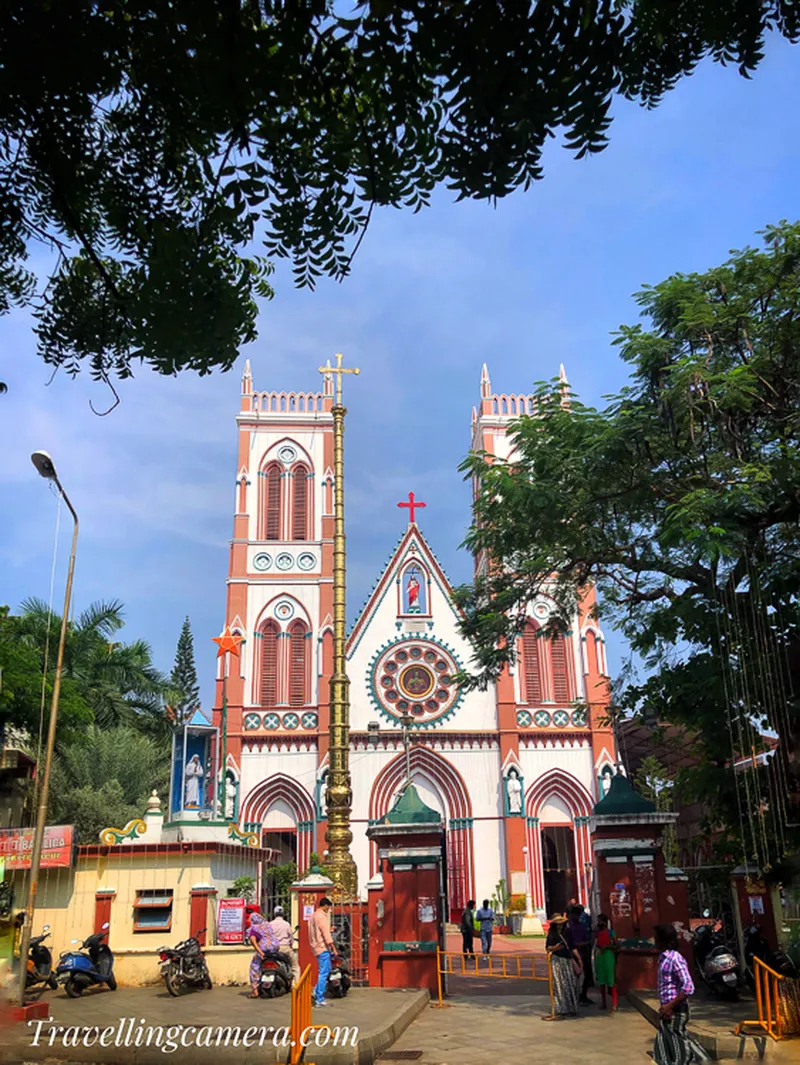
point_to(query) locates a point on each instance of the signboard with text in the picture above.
(230, 921)
(16, 846)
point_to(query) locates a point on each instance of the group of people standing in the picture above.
(570, 943)
(270, 936)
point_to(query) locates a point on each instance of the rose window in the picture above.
(415, 678)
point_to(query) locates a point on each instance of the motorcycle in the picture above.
(184, 966)
(339, 977)
(78, 970)
(276, 975)
(716, 963)
(755, 946)
(40, 962)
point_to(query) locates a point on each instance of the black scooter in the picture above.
(755, 946)
(339, 980)
(276, 975)
(40, 962)
(185, 966)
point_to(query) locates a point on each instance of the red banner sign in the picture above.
(230, 921)
(16, 846)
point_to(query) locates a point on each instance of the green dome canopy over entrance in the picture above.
(622, 799)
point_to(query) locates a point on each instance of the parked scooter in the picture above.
(78, 970)
(40, 962)
(716, 962)
(185, 966)
(339, 977)
(276, 975)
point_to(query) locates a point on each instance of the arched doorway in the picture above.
(558, 807)
(442, 787)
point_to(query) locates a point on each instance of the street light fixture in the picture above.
(46, 468)
(407, 720)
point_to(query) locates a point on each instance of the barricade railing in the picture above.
(301, 1017)
(777, 1001)
(492, 966)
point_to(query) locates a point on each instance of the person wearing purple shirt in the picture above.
(673, 1045)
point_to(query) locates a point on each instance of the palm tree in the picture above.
(117, 681)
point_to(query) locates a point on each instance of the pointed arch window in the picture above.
(300, 503)
(298, 663)
(562, 688)
(269, 664)
(532, 661)
(270, 509)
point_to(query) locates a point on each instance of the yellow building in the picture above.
(152, 892)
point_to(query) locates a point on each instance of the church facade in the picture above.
(514, 770)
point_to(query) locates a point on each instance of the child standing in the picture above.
(605, 960)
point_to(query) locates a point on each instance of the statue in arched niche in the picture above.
(231, 795)
(513, 791)
(606, 775)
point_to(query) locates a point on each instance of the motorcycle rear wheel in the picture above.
(52, 981)
(112, 982)
(172, 981)
(73, 988)
(207, 985)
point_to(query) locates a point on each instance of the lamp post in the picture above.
(528, 894)
(406, 720)
(45, 467)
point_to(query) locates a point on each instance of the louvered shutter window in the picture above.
(533, 672)
(300, 504)
(558, 657)
(269, 664)
(297, 664)
(272, 523)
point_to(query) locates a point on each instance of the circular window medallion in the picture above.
(579, 718)
(271, 721)
(284, 610)
(541, 611)
(414, 677)
(560, 718)
(523, 718)
(262, 561)
(416, 682)
(284, 562)
(287, 454)
(309, 720)
(290, 721)
(252, 721)
(306, 561)
(541, 718)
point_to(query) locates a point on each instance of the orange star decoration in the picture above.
(228, 641)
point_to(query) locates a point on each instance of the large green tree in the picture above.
(103, 779)
(680, 501)
(105, 681)
(154, 144)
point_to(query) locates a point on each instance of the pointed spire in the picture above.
(486, 384)
(562, 375)
(327, 380)
(247, 379)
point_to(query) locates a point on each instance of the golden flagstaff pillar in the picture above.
(339, 796)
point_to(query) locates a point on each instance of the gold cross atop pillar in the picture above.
(339, 797)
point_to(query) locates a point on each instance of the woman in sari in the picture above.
(262, 938)
(566, 968)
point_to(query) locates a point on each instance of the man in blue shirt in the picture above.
(485, 916)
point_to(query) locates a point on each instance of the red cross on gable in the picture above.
(412, 505)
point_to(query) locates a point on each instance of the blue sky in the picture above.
(543, 278)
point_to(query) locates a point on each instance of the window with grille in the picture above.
(297, 664)
(300, 504)
(531, 653)
(269, 664)
(558, 657)
(271, 518)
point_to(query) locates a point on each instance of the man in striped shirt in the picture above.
(673, 1045)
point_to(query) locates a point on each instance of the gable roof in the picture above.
(411, 537)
